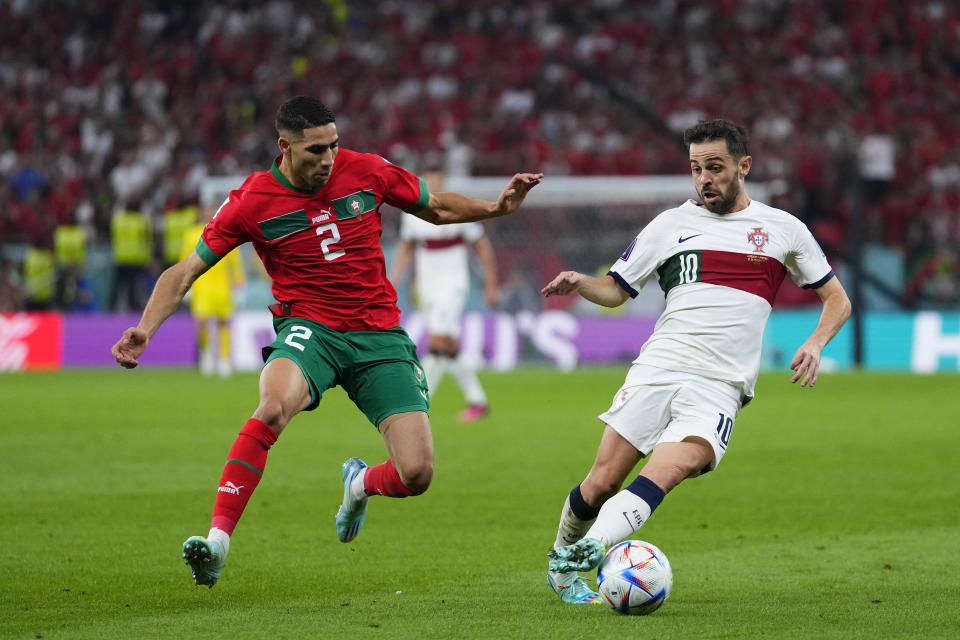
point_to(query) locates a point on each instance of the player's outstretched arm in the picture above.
(448, 207)
(171, 286)
(603, 291)
(836, 310)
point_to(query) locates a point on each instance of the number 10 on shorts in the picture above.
(724, 430)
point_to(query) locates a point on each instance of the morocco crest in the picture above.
(758, 237)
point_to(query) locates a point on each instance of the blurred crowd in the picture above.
(116, 108)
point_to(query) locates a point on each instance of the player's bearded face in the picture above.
(312, 157)
(716, 177)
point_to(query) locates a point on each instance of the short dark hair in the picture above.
(718, 129)
(302, 112)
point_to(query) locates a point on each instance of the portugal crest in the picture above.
(758, 237)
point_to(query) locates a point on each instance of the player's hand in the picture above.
(806, 365)
(565, 283)
(130, 347)
(511, 198)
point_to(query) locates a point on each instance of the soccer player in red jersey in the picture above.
(314, 220)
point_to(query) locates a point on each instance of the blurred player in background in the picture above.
(442, 276)
(212, 300)
(314, 220)
(719, 262)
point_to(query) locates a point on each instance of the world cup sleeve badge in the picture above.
(758, 238)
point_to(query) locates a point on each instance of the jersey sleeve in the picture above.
(225, 231)
(640, 259)
(402, 189)
(806, 263)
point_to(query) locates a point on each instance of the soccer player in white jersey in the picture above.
(442, 276)
(719, 262)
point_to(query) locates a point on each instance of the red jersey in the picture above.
(322, 248)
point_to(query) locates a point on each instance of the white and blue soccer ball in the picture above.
(635, 577)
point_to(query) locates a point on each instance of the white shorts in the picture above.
(442, 305)
(656, 405)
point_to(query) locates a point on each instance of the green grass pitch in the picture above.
(834, 514)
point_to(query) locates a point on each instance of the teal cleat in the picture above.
(205, 558)
(583, 555)
(352, 513)
(574, 591)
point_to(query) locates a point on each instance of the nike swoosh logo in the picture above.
(682, 239)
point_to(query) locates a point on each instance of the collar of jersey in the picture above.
(282, 179)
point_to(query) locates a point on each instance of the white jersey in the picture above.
(442, 265)
(720, 274)
(441, 254)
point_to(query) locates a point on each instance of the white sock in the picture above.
(222, 537)
(570, 530)
(207, 362)
(434, 366)
(466, 377)
(619, 518)
(571, 527)
(357, 492)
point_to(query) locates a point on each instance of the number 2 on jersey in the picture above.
(329, 252)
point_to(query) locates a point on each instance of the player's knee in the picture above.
(417, 477)
(272, 412)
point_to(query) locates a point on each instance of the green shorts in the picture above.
(379, 370)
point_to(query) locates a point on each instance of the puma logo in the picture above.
(231, 488)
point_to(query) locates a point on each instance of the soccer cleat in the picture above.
(205, 558)
(352, 513)
(474, 412)
(583, 555)
(576, 592)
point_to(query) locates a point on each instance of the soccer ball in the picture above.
(635, 577)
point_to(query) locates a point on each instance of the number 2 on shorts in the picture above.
(300, 332)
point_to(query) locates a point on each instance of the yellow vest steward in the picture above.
(39, 274)
(175, 224)
(70, 245)
(212, 294)
(132, 238)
